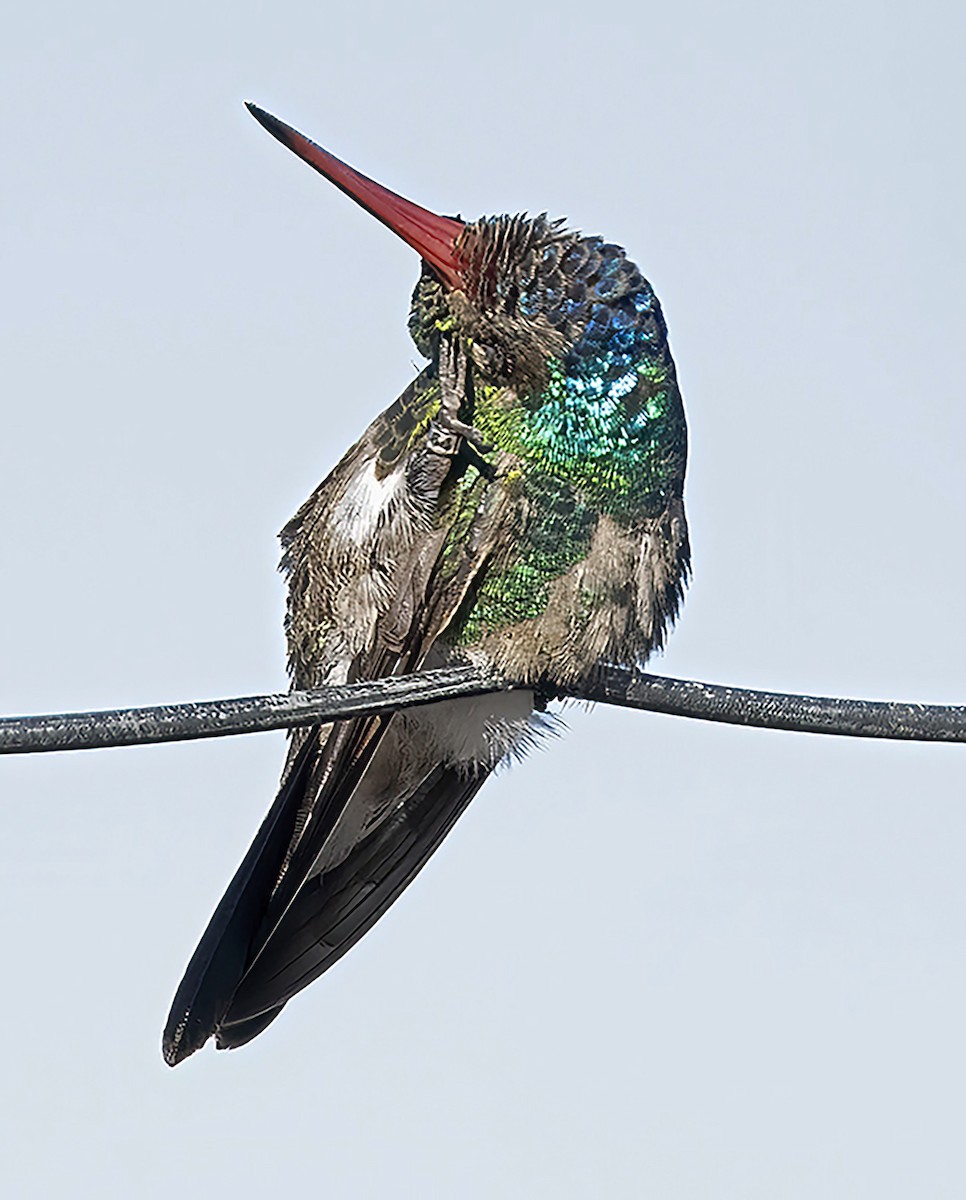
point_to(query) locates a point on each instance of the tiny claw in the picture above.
(473, 458)
(466, 432)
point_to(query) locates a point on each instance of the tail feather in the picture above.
(230, 1037)
(331, 912)
(219, 962)
(275, 930)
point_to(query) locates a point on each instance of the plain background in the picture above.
(660, 958)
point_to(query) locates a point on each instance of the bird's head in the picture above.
(520, 292)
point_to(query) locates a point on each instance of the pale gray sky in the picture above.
(660, 958)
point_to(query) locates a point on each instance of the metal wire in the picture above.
(654, 693)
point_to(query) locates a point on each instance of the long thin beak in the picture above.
(431, 236)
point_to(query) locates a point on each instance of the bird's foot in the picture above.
(447, 434)
(452, 424)
(452, 376)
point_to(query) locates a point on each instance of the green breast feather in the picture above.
(579, 457)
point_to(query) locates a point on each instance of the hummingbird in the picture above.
(519, 506)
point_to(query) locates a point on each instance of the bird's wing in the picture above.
(333, 910)
(223, 952)
(370, 587)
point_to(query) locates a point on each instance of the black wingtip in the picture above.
(230, 1037)
(187, 1028)
(218, 963)
(175, 1048)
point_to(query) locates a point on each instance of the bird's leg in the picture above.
(446, 428)
(448, 438)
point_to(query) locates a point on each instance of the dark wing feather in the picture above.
(219, 962)
(332, 911)
(264, 885)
